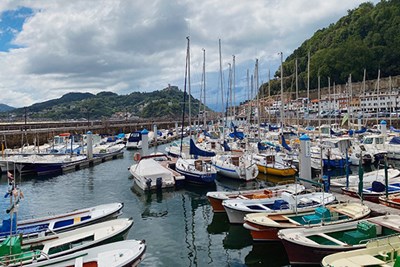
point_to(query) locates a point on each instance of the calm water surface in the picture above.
(179, 226)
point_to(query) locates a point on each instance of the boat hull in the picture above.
(216, 204)
(259, 233)
(368, 197)
(304, 255)
(198, 179)
(276, 172)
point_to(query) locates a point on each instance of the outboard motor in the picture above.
(148, 183)
(159, 183)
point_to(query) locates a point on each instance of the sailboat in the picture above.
(195, 170)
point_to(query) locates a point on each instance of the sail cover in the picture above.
(194, 150)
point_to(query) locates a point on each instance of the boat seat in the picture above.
(365, 230)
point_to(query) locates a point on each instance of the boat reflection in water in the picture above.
(267, 254)
(219, 224)
(237, 237)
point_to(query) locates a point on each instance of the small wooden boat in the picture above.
(286, 203)
(63, 222)
(217, 197)
(311, 245)
(265, 227)
(381, 252)
(374, 192)
(14, 251)
(118, 254)
(368, 178)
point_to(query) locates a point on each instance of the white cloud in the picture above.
(124, 46)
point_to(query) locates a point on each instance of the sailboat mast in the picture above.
(329, 101)
(220, 74)
(319, 100)
(248, 98)
(190, 92)
(233, 87)
(308, 89)
(204, 89)
(184, 95)
(363, 95)
(258, 97)
(282, 109)
(297, 96)
(377, 97)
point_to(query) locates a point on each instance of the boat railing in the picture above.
(386, 237)
(23, 257)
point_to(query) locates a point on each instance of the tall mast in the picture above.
(248, 94)
(190, 91)
(229, 93)
(319, 100)
(329, 101)
(204, 89)
(297, 96)
(378, 97)
(184, 95)
(282, 103)
(308, 89)
(258, 98)
(233, 88)
(220, 74)
(269, 96)
(364, 77)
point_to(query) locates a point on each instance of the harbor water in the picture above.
(179, 225)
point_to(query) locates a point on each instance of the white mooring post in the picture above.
(155, 133)
(176, 128)
(305, 160)
(89, 141)
(145, 142)
(383, 129)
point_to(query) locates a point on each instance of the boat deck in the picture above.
(167, 165)
(375, 207)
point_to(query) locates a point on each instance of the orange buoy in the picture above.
(136, 157)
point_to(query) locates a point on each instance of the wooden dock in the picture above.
(91, 162)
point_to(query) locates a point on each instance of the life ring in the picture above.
(136, 157)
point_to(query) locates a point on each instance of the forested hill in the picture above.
(166, 103)
(368, 37)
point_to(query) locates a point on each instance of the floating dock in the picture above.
(97, 159)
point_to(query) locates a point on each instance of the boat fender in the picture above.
(136, 157)
(159, 183)
(148, 183)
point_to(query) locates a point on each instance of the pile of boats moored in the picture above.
(91, 236)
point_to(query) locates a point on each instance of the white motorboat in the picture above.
(149, 174)
(235, 166)
(117, 254)
(368, 178)
(236, 209)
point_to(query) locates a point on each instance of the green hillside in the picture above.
(368, 37)
(163, 104)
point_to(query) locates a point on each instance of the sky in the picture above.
(50, 48)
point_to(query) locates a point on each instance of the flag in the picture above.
(10, 176)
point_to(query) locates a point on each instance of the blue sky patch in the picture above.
(11, 22)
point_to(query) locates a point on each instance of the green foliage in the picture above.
(166, 103)
(368, 37)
